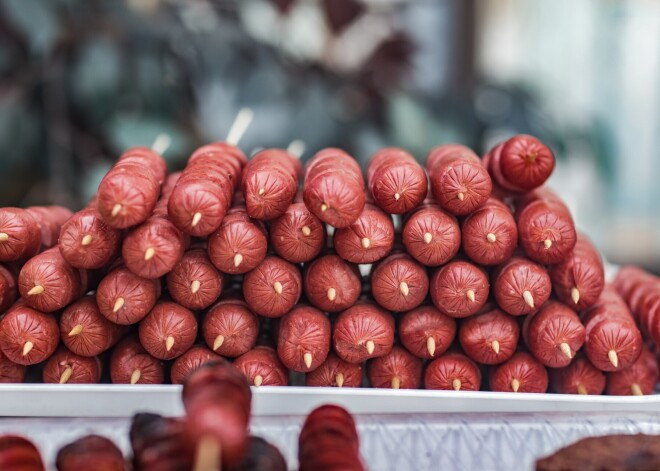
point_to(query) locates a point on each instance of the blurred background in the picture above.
(82, 80)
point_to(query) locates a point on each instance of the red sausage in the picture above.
(626, 279)
(426, 332)
(20, 236)
(10, 372)
(368, 239)
(50, 220)
(524, 162)
(158, 444)
(399, 369)
(131, 364)
(28, 337)
(203, 194)
(230, 328)
(270, 183)
(168, 330)
(194, 282)
(125, 298)
(48, 283)
(85, 331)
(334, 187)
(554, 334)
(580, 377)
(273, 287)
(191, 361)
(303, 339)
(521, 373)
(19, 454)
(361, 332)
(489, 338)
(396, 181)
(331, 284)
(613, 342)
(580, 278)
(335, 372)
(8, 287)
(86, 241)
(459, 181)
(545, 226)
(297, 236)
(452, 372)
(65, 367)
(239, 245)
(459, 289)
(399, 283)
(431, 236)
(262, 367)
(128, 193)
(521, 286)
(490, 234)
(90, 452)
(639, 379)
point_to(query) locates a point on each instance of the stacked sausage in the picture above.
(482, 283)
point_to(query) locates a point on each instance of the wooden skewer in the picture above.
(161, 143)
(217, 343)
(119, 303)
(239, 126)
(370, 346)
(76, 330)
(296, 148)
(430, 345)
(496, 347)
(208, 455)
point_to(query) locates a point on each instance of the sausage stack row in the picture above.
(477, 280)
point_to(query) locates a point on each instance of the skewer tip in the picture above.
(495, 345)
(258, 380)
(396, 382)
(456, 384)
(217, 343)
(547, 243)
(461, 196)
(339, 379)
(77, 329)
(575, 295)
(430, 345)
(169, 343)
(135, 376)
(366, 243)
(277, 286)
(324, 208)
(528, 298)
(306, 231)
(370, 346)
(4, 237)
(582, 390)
(614, 358)
(87, 240)
(492, 238)
(195, 286)
(515, 385)
(332, 294)
(238, 259)
(397, 196)
(403, 287)
(27, 347)
(196, 218)
(428, 237)
(36, 289)
(307, 358)
(296, 148)
(636, 390)
(566, 350)
(470, 295)
(66, 375)
(116, 209)
(119, 303)
(149, 254)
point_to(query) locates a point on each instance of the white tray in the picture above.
(54, 400)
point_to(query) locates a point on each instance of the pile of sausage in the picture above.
(468, 274)
(213, 435)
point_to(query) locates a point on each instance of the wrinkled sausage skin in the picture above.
(398, 369)
(27, 336)
(273, 287)
(335, 372)
(431, 235)
(361, 332)
(368, 239)
(304, 339)
(521, 373)
(230, 328)
(452, 372)
(399, 283)
(168, 331)
(332, 284)
(459, 289)
(297, 236)
(262, 367)
(426, 332)
(489, 338)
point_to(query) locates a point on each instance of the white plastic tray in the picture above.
(54, 400)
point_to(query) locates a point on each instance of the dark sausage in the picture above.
(396, 181)
(297, 236)
(426, 332)
(131, 364)
(399, 283)
(20, 236)
(230, 328)
(10, 372)
(368, 239)
(158, 445)
(90, 452)
(273, 287)
(27, 336)
(19, 454)
(168, 330)
(303, 339)
(262, 367)
(521, 373)
(399, 369)
(191, 361)
(65, 367)
(521, 286)
(125, 298)
(86, 241)
(431, 236)
(459, 289)
(361, 332)
(580, 377)
(489, 338)
(335, 372)
(639, 379)
(261, 456)
(331, 284)
(490, 234)
(8, 287)
(194, 282)
(452, 372)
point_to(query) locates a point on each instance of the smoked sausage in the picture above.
(168, 331)
(521, 163)
(335, 372)
(261, 456)
(459, 289)
(230, 328)
(90, 452)
(399, 283)
(262, 367)
(361, 332)
(426, 332)
(303, 339)
(368, 239)
(431, 235)
(489, 338)
(332, 284)
(20, 236)
(124, 298)
(580, 377)
(297, 235)
(194, 282)
(50, 220)
(27, 336)
(639, 379)
(65, 367)
(191, 361)
(273, 287)
(131, 364)
(490, 234)
(521, 286)
(398, 369)
(521, 373)
(452, 371)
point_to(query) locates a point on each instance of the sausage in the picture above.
(580, 278)
(639, 379)
(19, 454)
(431, 235)
(333, 187)
(270, 183)
(490, 234)
(612, 342)
(90, 452)
(303, 339)
(459, 289)
(554, 334)
(48, 283)
(361, 332)
(399, 369)
(86, 241)
(191, 361)
(131, 364)
(8, 287)
(203, 194)
(452, 372)
(194, 282)
(521, 373)
(65, 367)
(332, 284)
(335, 372)
(129, 191)
(168, 330)
(489, 338)
(125, 298)
(545, 227)
(627, 278)
(50, 220)
(297, 235)
(273, 287)
(399, 283)
(230, 328)
(262, 367)
(239, 245)
(157, 443)
(85, 331)
(521, 286)
(27, 336)
(580, 377)
(522, 162)
(459, 182)
(10, 372)
(368, 239)
(426, 332)
(396, 182)
(20, 236)
(261, 456)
